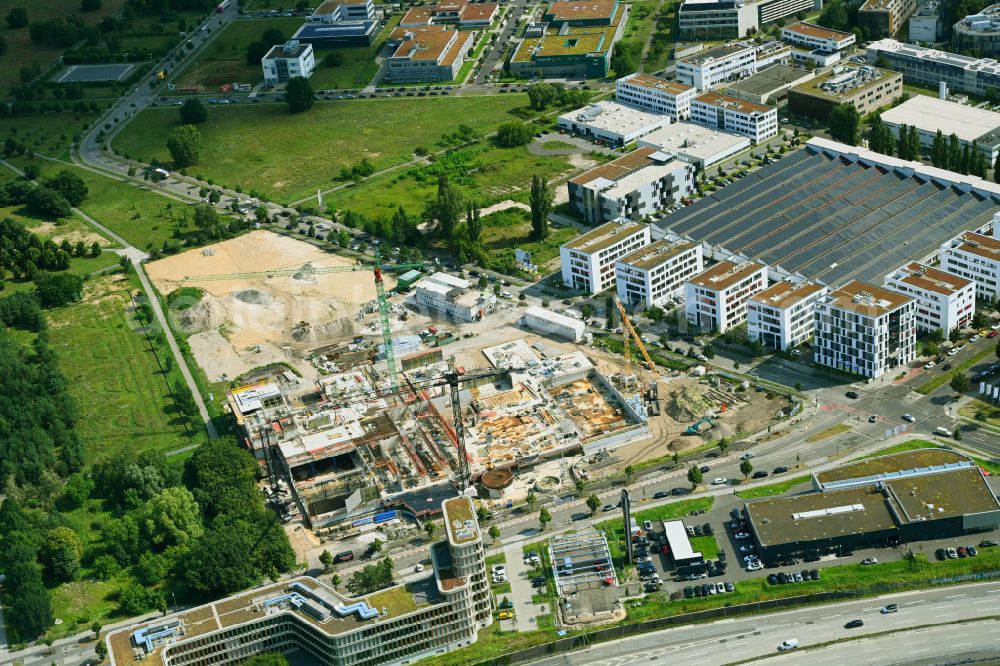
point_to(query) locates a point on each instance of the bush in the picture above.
(512, 134)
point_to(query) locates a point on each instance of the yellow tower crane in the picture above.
(629, 330)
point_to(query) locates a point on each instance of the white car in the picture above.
(721, 481)
(908, 418)
(418, 568)
(499, 570)
(928, 366)
(974, 338)
(747, 456)
(952, 352)
(756, 565)
(995, 327)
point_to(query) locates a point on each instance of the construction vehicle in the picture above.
(695, 427)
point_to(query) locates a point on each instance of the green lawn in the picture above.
(773, 489)
(614, 529)
(288, 156)
(45, 133)
(706, 545)
(829, 432)
(508, 229)
(911, 445)
(357, 67)
(974, 406)
(122, 396)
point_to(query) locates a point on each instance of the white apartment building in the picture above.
(588, 261)
(865, 329)
(657, 273)
(783, 315)
(541, 320)
(732, 114)
(335, 11)
(944, 301)
(975, 257)
(716, 299)
(656, 94)
(815, 37)
(633, 186)
(286, 61)
(452, 297)
(718, 65)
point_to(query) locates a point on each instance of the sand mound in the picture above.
(688, 404)
(254, 297)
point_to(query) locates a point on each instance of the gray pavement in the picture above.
(520, 585)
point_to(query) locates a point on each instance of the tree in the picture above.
(625, 57)
(30, 612)
(694, 476)
(193, 112)
(629, 473)
(531, 499)
(17, 18)
(959, 383)
(102, 651)
(61, 552)
(326, 559)
(834, 16)
(964, 164)
(336, 581)
(376, 546)
(544, 517)
(996, 169)
(593, 503)
(540, 199)
(844, 122)
(298, 94)
(954, 335)
(473, 225)
(48, 202)
(954, 153)
(70, 185)
(512, 134)
(540, 95)
(90, 5)
(256, 52)
(172, 518)
(58, 289)
(136, 599)
(267, 659)
(184, 144)
(880, 138)
(446, 208)
(494, 532)
(723, 445)
(431, 528)
(745, 468)
(939, 151)
(587, 310)
(913, 141)
(222, 477)
(96, 628)
(208, 221)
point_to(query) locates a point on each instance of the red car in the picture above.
(665, 549)
(992, 334)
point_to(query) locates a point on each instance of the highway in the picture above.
(744, 639)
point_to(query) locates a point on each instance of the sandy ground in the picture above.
(58, 235)
(243, 323)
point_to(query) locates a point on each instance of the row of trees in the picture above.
(543, 95)
(952, 155)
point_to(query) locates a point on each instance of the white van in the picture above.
(790, 644)
(942, 431)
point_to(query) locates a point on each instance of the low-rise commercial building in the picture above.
(975, 257)
(865, 329)
(715, 66)
(734, 19)
(656, 273)
(757, 121)
(978, 33)
(453, 297)
(655, 94)
(813, 36)
(427, 54)
(478, 14)
(884, 18)
(568, 50)
(783, 315)
(288, 61)
(944, 301)
(633, 186)
(697, 144)
(929, 67)
(974, 127)
(815, 58)
(866, 88)
(771, 84)
(927, 23)
(612, 122)
(545, 321)
(588, 261)
(582, 12)
(337, 34)
(401, 624)
(716, 299)
(335, 11)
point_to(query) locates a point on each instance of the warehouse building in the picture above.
(974, 127)
(449, 296)
(832, 212)
(769, 85)
(696, 144)
(657, 273)
(734, 19)
(884, 18)
(812, 37)
(305, 614)
(944, 301)
(930, 67)
(548, 322)
(864, 329)
(635, 185)
(716, 299)
(866, 88)
(337, 34)
(614, 123)
(588, 261)
(288, 61)
(975, 257)
(978, 33)
(655, 94)
(878, 502)
(732, 114)
(783, 315)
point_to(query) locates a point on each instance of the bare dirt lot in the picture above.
(245, 322)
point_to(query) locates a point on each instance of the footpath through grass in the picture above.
(287, 157)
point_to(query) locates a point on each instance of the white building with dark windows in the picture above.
(612, 122)
(944, 301)
(446, 295)
(815, 37)
(335, 11)
(783, 315)
(657, 273)
(656, 94)
(588, 261)
(735, 19)
(288, 60)
(716, 299)
(975, 257)
(718, 65)
(865, 329)
(635, 185)
(732, 114)
(929, 67)
(546, 321)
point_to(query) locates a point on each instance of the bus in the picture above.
(223, 6)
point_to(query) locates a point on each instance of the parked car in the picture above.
(720, 481)
(797, 576)
(987, 543)
(853, 395)
(608, 507)
(704, 468)
(909, 418)
(730, 587)
(814, 574)
(772, 579)
(952, 553)
(962, 552)
(660, 494)
(688, 592)
(760, 474)
(873, 418)
(940, 554)
(781, 469)
(869, 560)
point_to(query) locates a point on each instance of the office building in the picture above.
(783, 315)
(588, 261)
(478, 14)
(580, 13)
(336, 11)
(731, 114)
(734, 19)
(978, 33)
(974, 127)
(337, 34)
(635, 185)
(715, 66)
(929, 67)
(770, 85)
(439, 613)
(812, 37)
(580, 48)
(716, 299)
(655, 94)
(427, 54)
(975, 257)
(288, 61)
(865, 329)
(927, 23)
(884, 18)
(696, 144)
(656, 273)
(944, 301)
(866, 88)
(612, 122)
(548, 322)
(453, 297)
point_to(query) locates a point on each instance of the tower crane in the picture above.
(308, 269)
(630, 330)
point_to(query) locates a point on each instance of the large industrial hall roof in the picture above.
(832, 213)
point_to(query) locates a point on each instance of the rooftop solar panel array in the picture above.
(830, 219)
